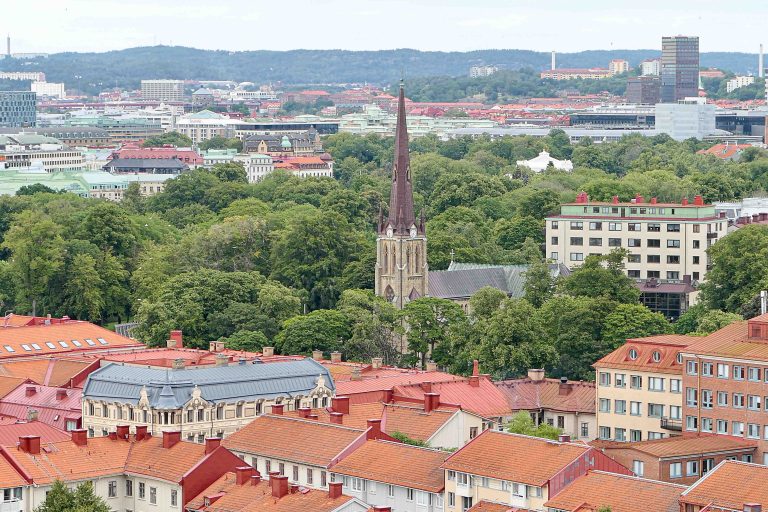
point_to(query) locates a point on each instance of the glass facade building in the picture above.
(679, 68)
(18, 108)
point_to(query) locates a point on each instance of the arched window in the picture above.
(385, 258)
(389, 294)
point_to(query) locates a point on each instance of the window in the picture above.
(753, 431)
(295, 473)
(358, 484)
(706, 369)
(614, 242)
(739, 372)
(692, 368)
(153, 495)
(281, 467)
(451, 499)
(518, 490)
(596, 226)
(675, 386)
(722, 427)
(577, 256)
(737, 428)
(585, 430)
(409, 495)
(653, 242)
(706, 424)
(691, 397)
(634, 274)
(673, 228)
(692, 468)
(634, 242)
(422, 498)
(129, 488)
(634, 408)
(655, 410)
(141, 491)
(595, 242)
(673, 275)
(636, 381)
(707, 465)
(697, 228)
(654, 227)
(691, 423)
(577, 240)
(605, 432)
(655, 383)
(577, 225)
(555, 240)
(310, 476)
(706, 398)
(390, 491)
(738, 400)
(676, 470)
(605, 379)
(323, 479)
(753, 374)
(554, 255)
(632, 353)
(621, 434)
(112, 489)
(605, 405)
(634, 258)
(620, 380)
(635, 436)
(673, 244)
(614, 226)
(620, 406)
(561, 422)
(722, 371)
(653, 274)
(655, 435)
(268, 465)
(633, 226)
(675, 412)
(638, 467)
(696, 244)
(554, 224)
(673, 260)
(753, 402)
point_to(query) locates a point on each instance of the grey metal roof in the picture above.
(146, 163)
(171, 389)
(462, 280)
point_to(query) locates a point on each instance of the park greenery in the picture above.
(289, 262)
(81, 499)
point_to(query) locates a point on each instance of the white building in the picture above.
(543, 160)
(373, 119)
(650, 67)
(20, 150)
(50, 89)
(734, 83)
(618, 66)
(688, 118)
(205, 125)
(163, 90)
(257, 166)
(478, 71)
(23, 75)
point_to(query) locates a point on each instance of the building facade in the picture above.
(401, 246)
(738, 82)
(643, 90)
(49, 89)
(650, 67)
(692, 118)
(640, 389)
(162, 90)
(257, 166)
(18, 108)
(617, 66)
(679, 68)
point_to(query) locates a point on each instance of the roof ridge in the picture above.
(406, 445)
(634, 477)
(311, 422)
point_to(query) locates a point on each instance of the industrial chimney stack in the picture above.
(760, 63)
(8, 46)
(554, 58)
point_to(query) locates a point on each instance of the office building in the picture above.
(650, 67)
(49, 89)
(478, 71)
(643, 90)
(574, 73)
(27, 151)
(679, 68)
(162, 90)
(18, 108)
(690, 118)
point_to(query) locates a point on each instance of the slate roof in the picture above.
(173, 388)
(462, 280)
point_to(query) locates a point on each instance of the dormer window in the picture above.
(632, 354)
(656, 356)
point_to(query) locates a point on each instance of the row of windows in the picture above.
(620, 434)
(723, 371)
(733, 428)
(738, 400)
(651, 227)
(142, 492)
(517, 489)
(636, 409)
(31, 347)
(636, 381)
(617, 242)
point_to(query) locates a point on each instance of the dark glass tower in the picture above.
(679, 68)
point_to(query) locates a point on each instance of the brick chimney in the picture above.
(426, 387)
(243, 475)
(112, 436)
(334, 490)
(431, 401)
(123, 431)
(431, 366)
(474, 380)
(381, 509)
(30, 391)
(141, 432)
(268, 351)
(337, 418)
(653, 200)
(564, 387)
(684, 202)
(255, 478)
(374, 429)
(30, 444)
(61, 394)
(615, 200)
(278, 409)
(32, 415)
(178, 338)
(638, 198)
(536, 374)
(178, 364)
(211, 443)
(753, 507)
(80, 437)
(340, 404)
(317, 355)
(698, 200)
(279, 485)
(222, 360)
(356, 375)
(377, 362)
(312, 417)
(564, 438)
(304, 412)
(335, 357)
(170, 439)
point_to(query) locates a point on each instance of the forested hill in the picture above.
(125, 68)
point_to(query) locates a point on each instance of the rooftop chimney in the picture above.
(698, 200)
(279, 485)
(474, 380)
(268, 351)
(377, 362)
(582, 198)
(170, 439)
(304, 412)
(255, 478)
(615, 200)
(243, 474)
(277, 409)
(80, 436)
(211, 443)
(335, 357)
(753, 507)
(638, 198)
(381, 509)
(178, 338)
(216, 346)
(653, 200)
(317, 355)
(356, 374)
(684, 202)
(123, 431)
(374, 429)
(30, 391)
(141, 432)
(564, 438)
(61, 394)
(426, 387)
(178, 364)
(337, 418)
(30, 444)
(222, 360)
(334, 490)
(340, 404)
(431, 366)
(536, 374)
(431, 401)
(564, 388)
(32, 414)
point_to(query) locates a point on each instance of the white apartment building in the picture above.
(618, 66)
(50, 89)
(650, 67)
(162, 90)
(204, 125)
(257, 166)
(734, 83)
(478, 71)
(23, 75)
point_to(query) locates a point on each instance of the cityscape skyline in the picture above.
(78, 26)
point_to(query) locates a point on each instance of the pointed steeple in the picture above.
(401, 215)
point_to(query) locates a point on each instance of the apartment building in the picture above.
(257, 166)
(200, 402)
(667, 243)
(162, 90)
(640, 389)
(18, 108)
(22, 151)
(518, 471)
(726, 384)
(204, 125)
(395, 475)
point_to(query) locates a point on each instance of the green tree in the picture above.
(375, 326)
(250, 341)
(169, 138)
(232, 171)
(429, 320)
(512, 233)
(324, 329)
(539, 284)
(633, 321)
(486, 301)
(699, 320)
(108, 226)
(522, 423)
(83, 499)
(35, 188)
(602, 276)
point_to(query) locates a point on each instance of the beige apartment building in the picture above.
(639, 389)
(667, 243)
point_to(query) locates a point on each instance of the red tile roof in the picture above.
(668, 347)
(680, 446)
(353, 387)
(292, 439)
(396, 464)
(733, 341)
(10, 434)
(621, 493)
(9, 477)
(59, 339)
(227, 496)
(485, 399)
(49, 371)
(490, 506)
(724, 151)
(526, 394)
(731, 484)
(510, 457)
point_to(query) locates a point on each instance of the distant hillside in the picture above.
(125, 68)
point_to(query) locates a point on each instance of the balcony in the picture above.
(710, 236)
(669, 424)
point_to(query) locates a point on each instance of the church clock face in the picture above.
(413, 232)
(389, 232)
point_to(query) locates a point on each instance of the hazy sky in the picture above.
(99, 25)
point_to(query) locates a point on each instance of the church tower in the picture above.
(401, 245)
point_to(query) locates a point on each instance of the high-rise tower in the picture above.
(401, 245)
(679, 68)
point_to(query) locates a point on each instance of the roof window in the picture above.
(50, 345)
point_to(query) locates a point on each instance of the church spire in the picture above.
(401, 215)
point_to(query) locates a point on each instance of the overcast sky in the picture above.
(98, 25)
